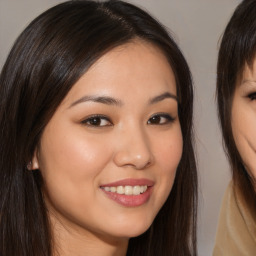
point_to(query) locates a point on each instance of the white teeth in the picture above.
(136, 190)
(120, 190)
(127, 190)
(113, 189)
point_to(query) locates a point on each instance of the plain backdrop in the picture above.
(197, 26)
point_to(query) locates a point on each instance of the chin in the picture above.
(132, 229)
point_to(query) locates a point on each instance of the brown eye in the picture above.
(160, 119)
(252, 96)
(97, 121)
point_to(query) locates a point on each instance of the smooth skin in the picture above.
(244, 119)
(119, 121)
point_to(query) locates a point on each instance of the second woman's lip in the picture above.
(130, 182)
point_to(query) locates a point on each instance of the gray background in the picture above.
(197, 26)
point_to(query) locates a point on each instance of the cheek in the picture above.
(168, 154)
(70, 165)
(238, 121)
(71, 162)
(243, 128)
(169, 150)
(243, 124)
(71, 153)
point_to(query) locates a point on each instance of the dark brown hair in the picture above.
(47, 59)
(238, 48)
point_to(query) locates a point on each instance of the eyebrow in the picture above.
(163, 96)
(99, 99)
(112, 101)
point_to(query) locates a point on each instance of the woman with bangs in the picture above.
(236, 93)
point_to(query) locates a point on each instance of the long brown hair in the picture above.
(238, 48)
(47, 59)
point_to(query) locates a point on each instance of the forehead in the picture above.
(135, 66)
(250, 69)
(248, 74)
(134, 52)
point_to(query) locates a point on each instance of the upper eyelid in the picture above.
(248, 94)
(248, 89)
(84, 120)
(170, 118)
(161, 114)
(251, 96)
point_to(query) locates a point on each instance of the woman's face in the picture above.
(109, 154)
(244, 118)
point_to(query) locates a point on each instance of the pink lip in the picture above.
(130, 200)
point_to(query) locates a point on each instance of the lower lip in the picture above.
(130, 200)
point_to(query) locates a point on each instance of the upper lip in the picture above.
(129, 182)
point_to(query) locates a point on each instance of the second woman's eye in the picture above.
(97, 121)
(252, 96)
(160, 119)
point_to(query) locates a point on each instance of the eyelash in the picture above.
(96, 120)
(252, 96)
(168, 119)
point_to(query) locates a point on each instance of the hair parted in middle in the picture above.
(47, 59)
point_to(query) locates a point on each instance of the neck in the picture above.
(75, 241)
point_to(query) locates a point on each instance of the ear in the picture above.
(34, 163)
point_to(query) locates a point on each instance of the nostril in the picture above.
(134, 151)
(137, 161)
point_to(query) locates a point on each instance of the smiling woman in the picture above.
(126, 152)
(236, 90)
(96, 153)
(243, 118)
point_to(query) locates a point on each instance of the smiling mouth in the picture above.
(127, 190)
(127, 195)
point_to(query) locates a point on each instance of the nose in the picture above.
(133, 149)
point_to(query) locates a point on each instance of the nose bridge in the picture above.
(134, 147)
